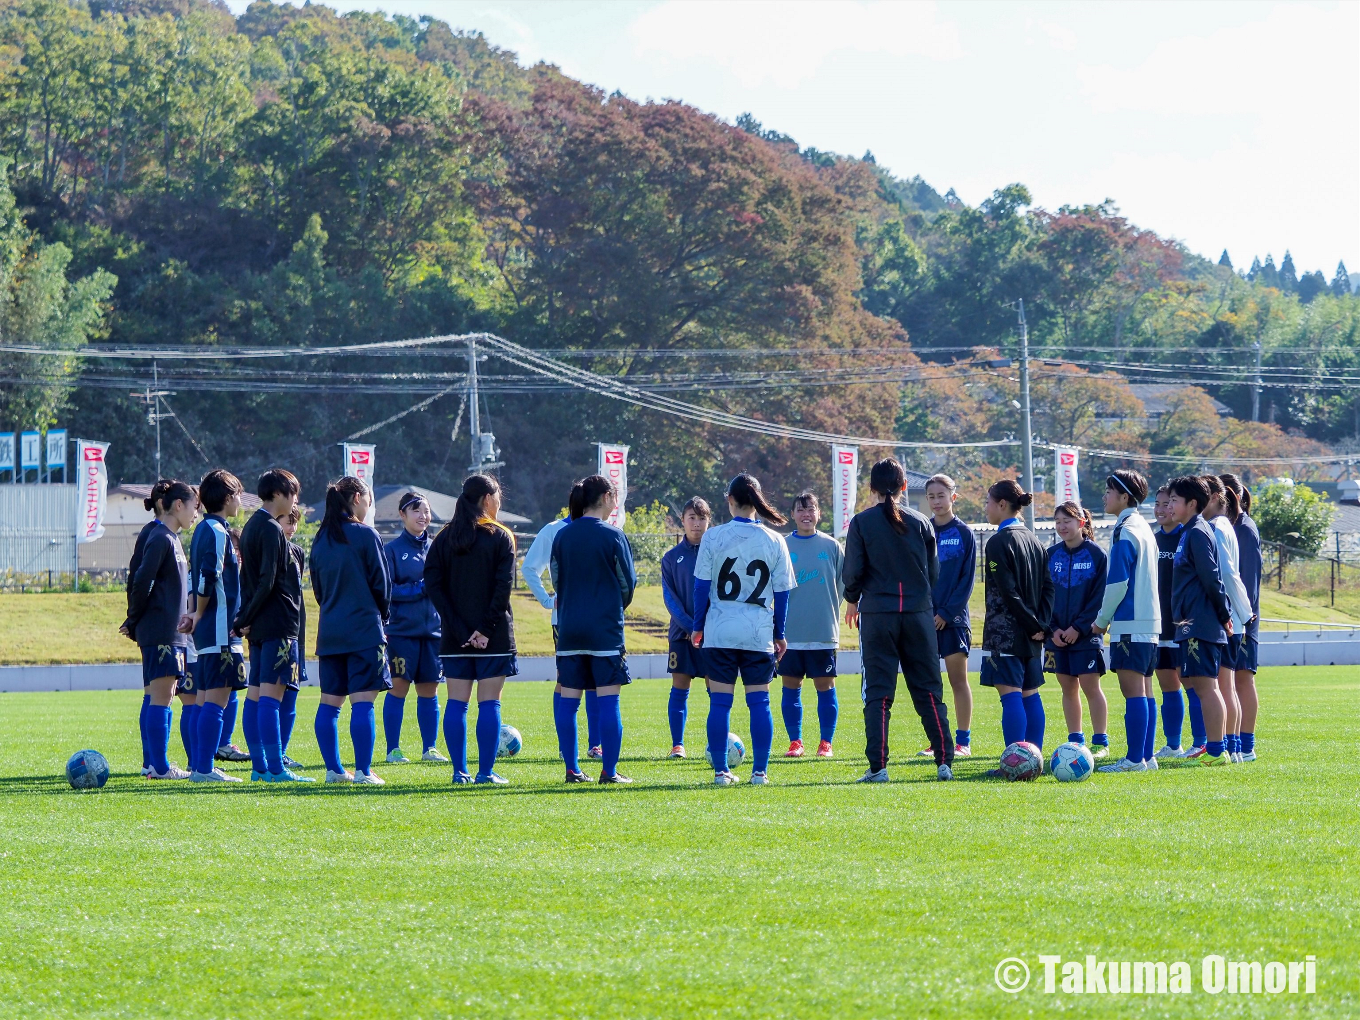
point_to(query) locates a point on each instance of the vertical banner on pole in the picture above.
(359, 464)
(844, 483)
(1065, 475)
(614, 466)
(7, 456)
(94, 489)
(30, 453)
(56, 453)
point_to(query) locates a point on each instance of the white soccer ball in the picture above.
(1071, 763)
(736, 751)
(510, 742)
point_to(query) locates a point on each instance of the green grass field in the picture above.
(811, 897)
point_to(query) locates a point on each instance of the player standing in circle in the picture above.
(288, 706)
(151, 502)
(1072, 650)
(354, 593)
(1199, 605)
(677, 591)
(227, 749)
(890, 571)
(1249, 568)
(412, 634)
(1019, 596)
(469, 571)
(813, 627)
(216, 585)
(1168, 536)
(741, 601)
(1222, 511)
(593, 575)
(158, 619)
(1131, 614)
(956, 550)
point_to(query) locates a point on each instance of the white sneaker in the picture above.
(339, 777)
(1099, 750)
(870, 776)
(1151, 764)
(215, 776)
(726, 779)
(368, 779)
(173, 772)
(432, 754)
(1124, 765)
(1237, 757)
(925, 752)
(146, 770)
(1246, 756)
(760, 779)
(944, 773)
(1168, 751)
(963, 751)
(396, 757)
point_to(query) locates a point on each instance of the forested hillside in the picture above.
(296, 178)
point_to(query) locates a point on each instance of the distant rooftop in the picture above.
(1156, 398)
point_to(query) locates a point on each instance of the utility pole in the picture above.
(484, 452)
(1256, 389)
(151, 397)
(1026, 438)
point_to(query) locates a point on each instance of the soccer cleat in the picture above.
(461, 779)
(368, 779)
(215, 776)
(678, 751)
(1168, 751)
(925, 752)
(491, 778)
(760, 779)
(1214, 760)
(944, 773)
(432, 754)
(1196, 751)
(963, 751)
(337, 777)
(289, 763)
(995, 774)
(575, 777)
(1246, 756)
(1099, 750)
(617, 777)
(146, 770)
(1123, 765)
(173, 772)
(257, 776)
(287, 777)
(795, 750)
(1151, 764)
(726, 779)
(870, 776)
(824, 750)
(397, 757)
(596, 752)
(230, 752)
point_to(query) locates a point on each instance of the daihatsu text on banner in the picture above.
(94, 489)
(359, 464)
(614, 466)
(844, 483)
(1065, 483)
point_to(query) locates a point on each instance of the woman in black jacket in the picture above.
(1019, 602)
(890, 570)
(469, 571)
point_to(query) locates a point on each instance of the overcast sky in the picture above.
(1227, 125)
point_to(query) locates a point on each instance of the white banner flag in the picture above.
(359, 464)
(1065, 475)
(614, 466)
(844, 485)
(94, 489)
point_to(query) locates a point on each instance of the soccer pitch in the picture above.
(807, 898)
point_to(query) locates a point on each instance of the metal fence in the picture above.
(1310, 576)
(37, 532)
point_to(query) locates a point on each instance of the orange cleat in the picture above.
(678, 751)
(795, 750)
(824, 750)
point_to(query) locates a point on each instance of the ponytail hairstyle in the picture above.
(889, 480)
(1234, 485)
(340, 507)
(1246, 500)
(1080, 514)
(1232, 506)
(586, 494)
(467, 512)
(1130, 483)
(165, 493)
(1008, 491)
(157, 491)
(745, 491)
(1215, 487)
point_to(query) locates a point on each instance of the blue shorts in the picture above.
(686, 660)
(478, 667)
(1074, 661)
(1247, 658)
(223, 668)
(274, 662)
(1012, 671)
(1233, 655)
(725, 663)
(591, 672)
(166, 660)
(1200, 658)
(1138, 656)
(953, 640)
(811, 662)
(414, 659)
(1168, 656)
(355, 672)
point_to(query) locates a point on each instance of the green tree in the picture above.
(1295, 516)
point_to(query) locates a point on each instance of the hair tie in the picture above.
(411, 499)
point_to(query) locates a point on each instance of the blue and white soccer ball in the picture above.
(511, 742)
(1071, 763)
(736, 751)
(87, 770)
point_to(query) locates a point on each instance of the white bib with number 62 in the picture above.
(746, 563)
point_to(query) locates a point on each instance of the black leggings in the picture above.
(887, 641)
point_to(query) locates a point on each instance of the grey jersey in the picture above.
(814, 606)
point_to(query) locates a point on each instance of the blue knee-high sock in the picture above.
(564, 716)
(829, 710)
(455, 733)
(1150, 734)
(363, 734)
(394, 708)
(488, 736)
(250, 726)
(1014, 718)
(271, 742)
(327, 729)
(1034, 720)
(1248, 742)
(719, 725)
(287, 716)
(791, 708)
(1135, 726)
(188, 733)
(141, 724)
(158, 722)
(229, 719)
(1199, 736)
(762, 729)
(592, 719)
(1173, 716)
(611, 732)
(677, 711)
(427, 718)
(209, 736)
